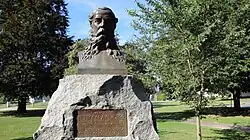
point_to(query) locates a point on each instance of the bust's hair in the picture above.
(91, 16)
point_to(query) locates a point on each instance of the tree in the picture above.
(72, 55)
(34, 47)
(236, 41)
(137, 66)
(196, 47)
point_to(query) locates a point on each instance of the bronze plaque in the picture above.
(101, 123)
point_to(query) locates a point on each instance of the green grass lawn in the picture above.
(18, 128)
(22, 128)
(38, 105)
(174, 106)
(4, 105)
(234, 120)
(182, 131)
(170, 106)
(169, 116)
(228, 102)
(175, 110)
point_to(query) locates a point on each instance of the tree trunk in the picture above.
(236, 98)
(21, 105)
(198, 125)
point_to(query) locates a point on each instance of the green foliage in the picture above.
(137, 65)
(72, 55)
(34, 47)
(196, 47)
(161, 96)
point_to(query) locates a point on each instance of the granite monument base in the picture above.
(98, 107)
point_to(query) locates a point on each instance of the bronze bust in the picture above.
(102, 55)
(103, 24)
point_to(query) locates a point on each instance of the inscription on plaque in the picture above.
(101, 123)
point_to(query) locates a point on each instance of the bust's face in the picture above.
(103, 19)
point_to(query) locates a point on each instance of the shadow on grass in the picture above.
(225, 111)
(177, 116)
(230, 134)
(161, 105)
(29, 113)
(28, 138)
(184, 115)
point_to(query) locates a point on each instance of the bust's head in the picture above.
(102, 22)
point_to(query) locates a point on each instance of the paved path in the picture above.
(220, 125)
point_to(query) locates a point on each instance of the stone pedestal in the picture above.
(98, 107)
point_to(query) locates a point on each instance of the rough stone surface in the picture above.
(97, 92)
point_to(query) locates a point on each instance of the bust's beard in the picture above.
(103, 39)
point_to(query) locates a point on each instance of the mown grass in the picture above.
(170, 116)
(228, 102)
(18, 127)
(233, 120)
(14, 127)
(182, 131)
(218, 111)
(5, 106)
(170, 106)
(38, 105)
